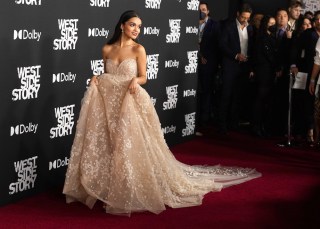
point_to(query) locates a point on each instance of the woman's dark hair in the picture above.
(127, 15)
(299, 24)
(264, 24)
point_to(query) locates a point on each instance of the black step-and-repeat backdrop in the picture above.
(49, 51)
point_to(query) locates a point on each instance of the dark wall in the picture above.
(218, 9)
(264, 7)
(267, 7)
(50, 49)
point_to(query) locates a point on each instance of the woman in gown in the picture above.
(119, 155)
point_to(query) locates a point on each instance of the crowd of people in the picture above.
(245, 66)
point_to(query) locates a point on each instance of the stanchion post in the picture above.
(289, 143)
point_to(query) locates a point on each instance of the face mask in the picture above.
(202, 15)
(272, 29)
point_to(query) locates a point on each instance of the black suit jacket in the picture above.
(303, 50)
(284, 56)
(209, 45)
(230, 42)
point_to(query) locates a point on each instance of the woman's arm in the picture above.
(142, 65)
(142, 70)
(315, 70)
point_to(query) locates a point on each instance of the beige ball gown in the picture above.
(119, 155)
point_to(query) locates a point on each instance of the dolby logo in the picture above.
(171, 64)
(188, 93)
(23, 129)
(191, 29)
(58, 163)
(96, 32)
(24, 34)
(151, 31)
(169, 129)
(64, 77)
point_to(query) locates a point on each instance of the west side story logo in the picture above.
(153, 4)
(24, 34)
(65, 118)
(100, 3)
(97, 67)
(193, 62)
(153, 100)
(174, 35)
(190, 124)
(152, 66)
(28, 2)
(27, 174)
(30, 83)
(193, 5)
(171, 103)
(69, 34)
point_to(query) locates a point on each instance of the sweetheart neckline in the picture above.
(108, 59)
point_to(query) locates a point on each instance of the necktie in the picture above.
(280, 33)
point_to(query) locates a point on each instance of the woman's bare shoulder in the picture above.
(139, 49)
(106, 47)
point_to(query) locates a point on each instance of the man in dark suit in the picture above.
(209, 32)
(284, 37)
(236, 45)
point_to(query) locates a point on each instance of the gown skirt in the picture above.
(120, 157)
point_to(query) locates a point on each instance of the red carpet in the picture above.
(286, 196)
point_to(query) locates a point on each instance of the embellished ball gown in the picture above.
(119, 155)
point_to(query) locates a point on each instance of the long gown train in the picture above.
(119, 155)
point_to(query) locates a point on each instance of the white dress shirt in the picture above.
(243, 35)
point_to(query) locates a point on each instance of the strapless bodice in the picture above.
(128, 67)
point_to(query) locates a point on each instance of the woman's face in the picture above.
(131, 28)
(306, 24)
(272, 21)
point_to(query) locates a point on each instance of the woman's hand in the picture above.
(311, 87)
(94, 79)
(133, 86)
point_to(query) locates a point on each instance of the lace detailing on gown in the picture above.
(119, 154)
